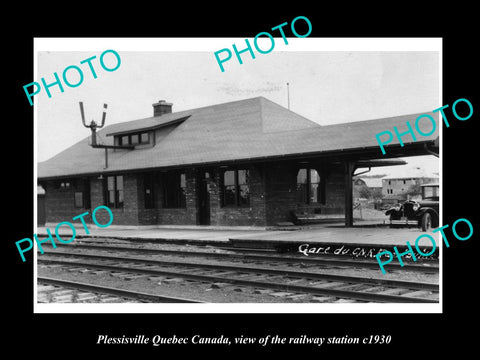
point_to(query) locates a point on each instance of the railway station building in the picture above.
(250, 162)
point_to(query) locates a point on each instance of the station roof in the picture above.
(254, 129)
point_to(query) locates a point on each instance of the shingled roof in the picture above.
(254, 128)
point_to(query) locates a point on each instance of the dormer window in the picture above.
(134, 139)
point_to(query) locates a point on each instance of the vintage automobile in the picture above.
(423, 213)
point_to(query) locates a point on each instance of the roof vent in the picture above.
(162, 107)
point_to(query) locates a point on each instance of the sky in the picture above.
(329, 82)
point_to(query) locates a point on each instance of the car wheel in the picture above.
(426, 222)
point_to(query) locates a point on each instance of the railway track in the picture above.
(259, 255)
(296, 283)
(58, 290)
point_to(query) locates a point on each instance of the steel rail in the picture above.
(114, 291)
(289, 273)
(364, 296)
(294, 259)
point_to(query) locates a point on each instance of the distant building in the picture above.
(401, 183)
(406, 187)
(372, 182)
(366, 185)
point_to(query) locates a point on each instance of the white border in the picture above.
(215, 44)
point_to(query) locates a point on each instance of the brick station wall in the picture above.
(176, 216)
(335, 191)
(252, 215)
(134, 211)
(60, 206)
(145, 216)
(59, 202)
(272, 197)
(282, 197)
(128, 215)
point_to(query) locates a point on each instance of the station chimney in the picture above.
(162, 107)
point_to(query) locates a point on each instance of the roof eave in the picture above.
(149, 128)
(367, 153)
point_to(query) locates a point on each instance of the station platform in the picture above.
(362, 238)
(357, 241)
(167, 233)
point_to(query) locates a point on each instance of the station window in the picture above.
(236, 188)
(144, 138)
(310, 187)
(135, 139)
(78, 199)
(81, 196)
(174, 185)
(114, 191)
(63, 184)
